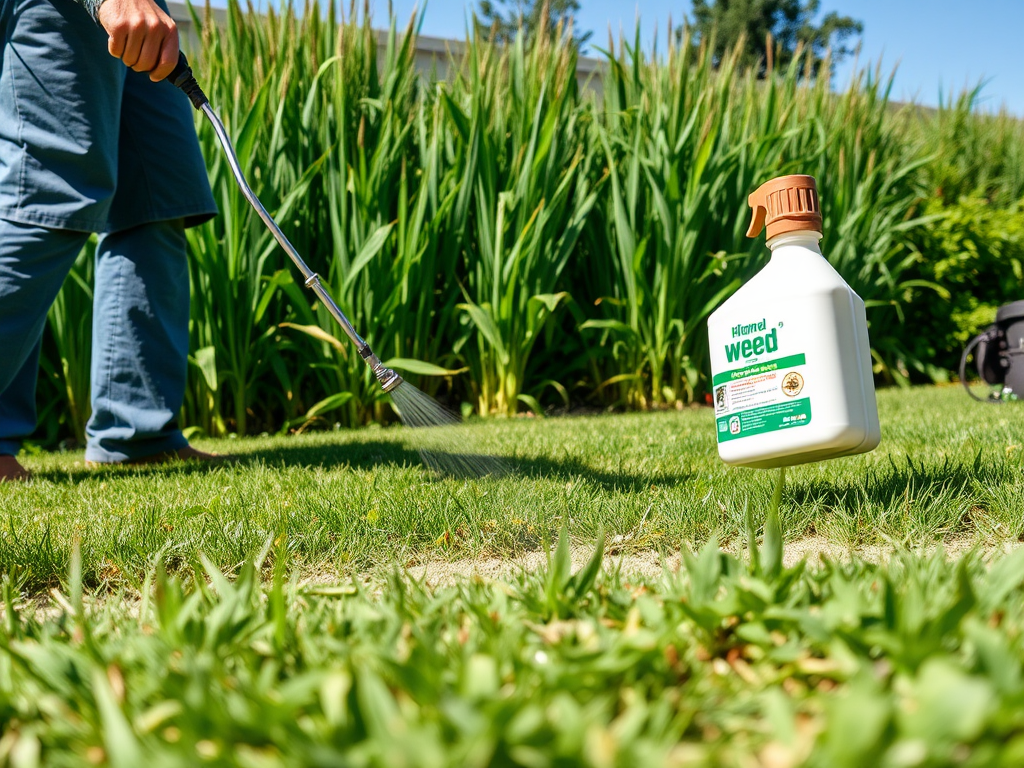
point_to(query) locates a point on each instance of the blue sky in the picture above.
(940, 45)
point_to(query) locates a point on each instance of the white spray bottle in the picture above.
(790, 358)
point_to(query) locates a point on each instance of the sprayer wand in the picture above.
(183, 78)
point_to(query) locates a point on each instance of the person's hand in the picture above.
(141, 35)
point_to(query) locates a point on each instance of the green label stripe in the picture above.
(768, 418)
(752, 370)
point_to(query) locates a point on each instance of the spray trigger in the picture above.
(785, 204)
(760, 214)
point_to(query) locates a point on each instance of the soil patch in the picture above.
(650, 564)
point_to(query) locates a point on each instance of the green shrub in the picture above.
(975, 252)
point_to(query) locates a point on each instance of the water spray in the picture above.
(415, 408)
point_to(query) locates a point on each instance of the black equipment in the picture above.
(999, 355)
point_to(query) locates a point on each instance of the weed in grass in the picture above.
(723, 662)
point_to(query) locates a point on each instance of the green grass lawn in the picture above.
(184, 630)
(356, 502)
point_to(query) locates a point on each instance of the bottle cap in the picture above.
(785, 204)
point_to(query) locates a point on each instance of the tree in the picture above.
(787, 23)
(505, 17)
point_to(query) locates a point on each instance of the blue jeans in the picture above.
(86, 145)
(140, 334)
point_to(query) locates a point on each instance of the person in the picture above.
(97, 143)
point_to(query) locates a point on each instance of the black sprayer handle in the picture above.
(181, 77)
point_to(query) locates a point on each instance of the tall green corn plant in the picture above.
(389, 193)
(681, 160)
(871, 176)
(432, 229)
(974, 153)
(249, 71)
(519, 112)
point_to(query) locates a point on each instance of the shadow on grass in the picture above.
(895, 485)
(364, 456)
(374, 454)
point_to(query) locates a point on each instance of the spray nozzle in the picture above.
(785, 204)
(387, 378)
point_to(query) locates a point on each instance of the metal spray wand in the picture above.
(183, 78)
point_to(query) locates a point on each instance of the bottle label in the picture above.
(761, 397)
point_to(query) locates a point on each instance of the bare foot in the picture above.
(11, 470)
